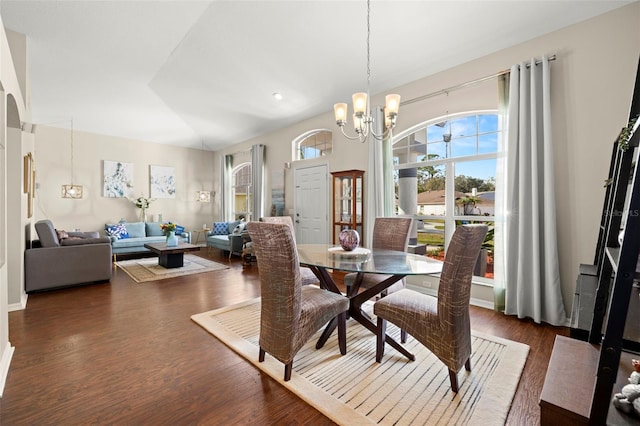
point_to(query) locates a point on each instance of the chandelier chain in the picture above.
(368, 48)
(72, 151)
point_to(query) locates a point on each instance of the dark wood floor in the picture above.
(127, 353)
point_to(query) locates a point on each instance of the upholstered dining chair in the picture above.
(389, 233)
(306, 274)
(441, 324)
(290, 313)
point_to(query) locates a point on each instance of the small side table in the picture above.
(200, 233)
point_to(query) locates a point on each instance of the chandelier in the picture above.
(362, 118)
(71, 190)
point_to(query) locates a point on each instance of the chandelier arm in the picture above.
(349, 137)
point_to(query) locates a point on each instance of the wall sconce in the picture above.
(71, 190)
(203, 196)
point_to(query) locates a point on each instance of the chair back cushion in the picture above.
(392, 233)
(280, 286)
(47, 233)
(454, 289)
(281, 219)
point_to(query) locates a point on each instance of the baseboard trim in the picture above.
(19, 306)
(4, 366)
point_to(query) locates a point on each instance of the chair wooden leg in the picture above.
(403, 336)
(342, 332)
(467, 365)
(453, 378)
(287, 371)
(261, 355)
(380, 338)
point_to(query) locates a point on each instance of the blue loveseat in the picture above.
(224, 236)
(130, 237)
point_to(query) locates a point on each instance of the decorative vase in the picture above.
(349, 239)
(172, 240)
(143, 215)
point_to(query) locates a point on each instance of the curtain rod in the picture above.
(467, 84)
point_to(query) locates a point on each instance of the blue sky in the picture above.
(471, 135)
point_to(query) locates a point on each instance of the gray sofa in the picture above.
(75, 258)
(137, 235)
(222, 237)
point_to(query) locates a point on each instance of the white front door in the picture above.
(311, 204)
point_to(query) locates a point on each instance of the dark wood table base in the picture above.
(171, 257)
(355, 306)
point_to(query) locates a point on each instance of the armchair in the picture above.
(75, 258)
(223, 237)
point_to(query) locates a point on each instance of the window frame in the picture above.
(234, 171)
(449, 163)
(295, 144)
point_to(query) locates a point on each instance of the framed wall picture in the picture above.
(162, 181)
(118, 179)
(27, 167)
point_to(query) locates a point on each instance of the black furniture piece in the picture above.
(171, 257)
(608, 285)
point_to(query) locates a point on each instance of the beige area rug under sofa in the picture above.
(147, 269)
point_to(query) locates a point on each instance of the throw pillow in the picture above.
(62, 234)
(118, 230)
(239, 227)
(179, 229)
(220, 228)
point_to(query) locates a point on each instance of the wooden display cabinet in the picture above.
(348, 202)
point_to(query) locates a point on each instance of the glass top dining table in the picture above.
(375, 261)
(395, 264)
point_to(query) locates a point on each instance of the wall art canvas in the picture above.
(163, 182)
(118, 179)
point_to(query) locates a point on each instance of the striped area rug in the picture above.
(147, 269)
(354, 389)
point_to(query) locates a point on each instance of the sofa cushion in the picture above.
(117, 230)
(46, 234)
(136, 229)
(153, 229)
(232, 226)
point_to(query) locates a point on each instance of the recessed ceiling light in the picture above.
(277, 96)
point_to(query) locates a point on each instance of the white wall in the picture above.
(12, 110)
(592, 86)
(194, 171)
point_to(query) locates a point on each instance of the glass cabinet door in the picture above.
(348, 190)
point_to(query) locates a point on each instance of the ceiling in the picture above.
(202, 73)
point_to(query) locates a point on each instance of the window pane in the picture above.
(484, 263)
(463, 147)
(438, 148)
(461, 127)
(488, 143)
(487, 123)
(476, 179)
(431, 233)
(315, 145)
(435, 131)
